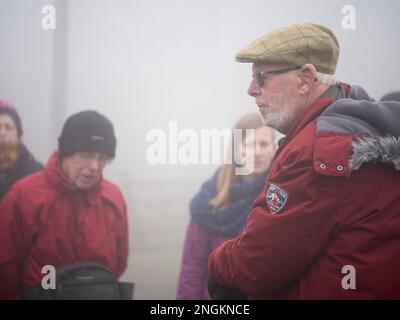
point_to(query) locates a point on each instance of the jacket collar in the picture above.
(329, 96)
(352, 132)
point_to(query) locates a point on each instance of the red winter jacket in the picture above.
(44, 221)
(331, 204)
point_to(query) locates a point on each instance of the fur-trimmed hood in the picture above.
(375, 149)
(374, 128)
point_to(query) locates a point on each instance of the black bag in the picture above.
(218, 291)
(83, 281)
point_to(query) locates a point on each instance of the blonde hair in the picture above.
(226, 175)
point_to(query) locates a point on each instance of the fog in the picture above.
(145, 63)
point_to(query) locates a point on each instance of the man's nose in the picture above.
(254, 89)
(94, 164)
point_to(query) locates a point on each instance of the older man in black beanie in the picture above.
(86, 136)
(66, 214)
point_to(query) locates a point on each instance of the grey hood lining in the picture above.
(377, 124)
(360, 114)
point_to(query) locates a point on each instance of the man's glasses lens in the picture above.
(88, 157)
(262, 75)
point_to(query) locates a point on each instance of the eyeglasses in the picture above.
(88, 157)
(262, 75)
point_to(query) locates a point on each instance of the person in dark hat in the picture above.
(16, 161)
(326, 225)
(66, 214)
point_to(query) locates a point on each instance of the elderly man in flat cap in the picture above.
(326, 225)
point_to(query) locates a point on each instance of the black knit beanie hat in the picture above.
(87, 131)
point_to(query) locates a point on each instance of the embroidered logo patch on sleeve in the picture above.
(276, 198)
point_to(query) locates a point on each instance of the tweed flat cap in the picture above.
(297, 45)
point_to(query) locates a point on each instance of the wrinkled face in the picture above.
(85, 169)
(277, 97)
(263, 147)
(8, 130)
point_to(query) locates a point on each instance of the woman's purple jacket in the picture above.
(208, 229)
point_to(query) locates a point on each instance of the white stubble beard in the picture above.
(278, 118)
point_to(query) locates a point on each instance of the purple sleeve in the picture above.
(193, 276)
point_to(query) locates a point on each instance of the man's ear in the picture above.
(308, 75)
